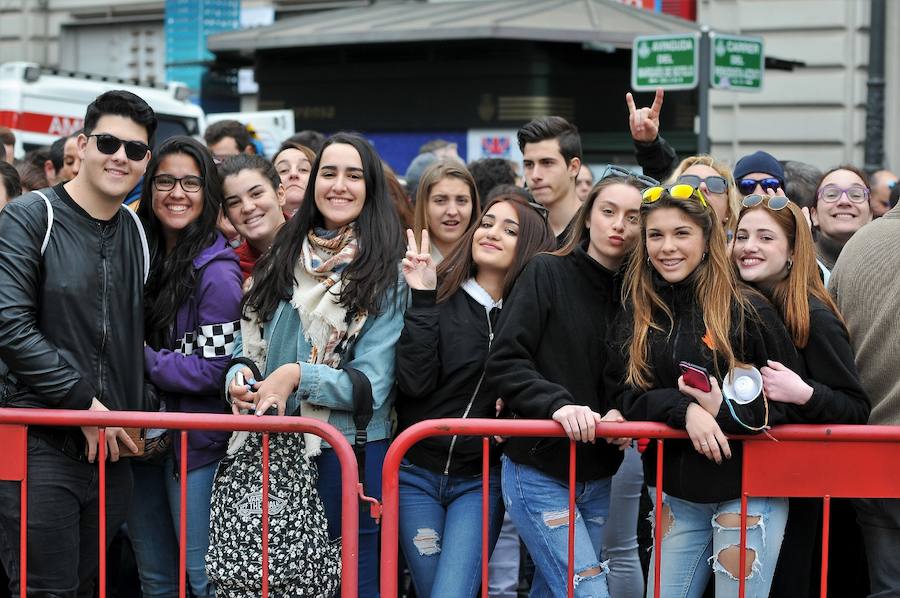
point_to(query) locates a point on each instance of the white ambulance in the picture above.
(41, 104)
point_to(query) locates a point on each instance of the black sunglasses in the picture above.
(110, 144)
(714, 183)
(748, 186)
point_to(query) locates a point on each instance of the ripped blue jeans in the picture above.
(700, 539)
(538, 505)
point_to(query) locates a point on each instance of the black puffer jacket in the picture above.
(688, 474)
(71, 321)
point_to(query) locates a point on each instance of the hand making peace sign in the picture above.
(418, 267)
(644, 122)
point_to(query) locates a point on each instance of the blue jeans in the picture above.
(539, 506)
(63, 521)
(153, 526)
(620, 546)
(440, 529)
(694, 537)
(503, 567)
(329, 487)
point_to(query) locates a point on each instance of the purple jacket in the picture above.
(189, 375)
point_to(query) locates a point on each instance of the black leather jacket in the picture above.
(71, 320)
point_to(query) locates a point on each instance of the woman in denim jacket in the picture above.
(326, 296)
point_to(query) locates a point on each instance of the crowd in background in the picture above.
(297, 283)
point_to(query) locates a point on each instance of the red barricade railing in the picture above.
(801, 461)
(13, 467)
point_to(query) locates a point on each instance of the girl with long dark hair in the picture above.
(441, 355)
(327, 295)
(192, 304)
(686, 306)
(547, 363)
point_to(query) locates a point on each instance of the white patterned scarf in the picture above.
(327, 325)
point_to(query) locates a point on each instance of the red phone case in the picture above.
(695, 376)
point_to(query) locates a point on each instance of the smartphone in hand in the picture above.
(695, 376)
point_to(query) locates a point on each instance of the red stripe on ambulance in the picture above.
(34, 122)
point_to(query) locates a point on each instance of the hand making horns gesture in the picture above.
(644, 122)
(418, 267)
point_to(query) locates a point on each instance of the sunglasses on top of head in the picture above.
(681, 191)
(774, 202)
(613, 170)
(714, 183)
(110, 144)
(748, 186)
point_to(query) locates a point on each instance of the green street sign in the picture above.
(667, 61)
(738, 62)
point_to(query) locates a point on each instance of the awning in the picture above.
(603, 23)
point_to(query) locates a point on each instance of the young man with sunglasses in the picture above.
(551, 148)
(758, 173)
(72, 267)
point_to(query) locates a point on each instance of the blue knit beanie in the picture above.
(759, 162)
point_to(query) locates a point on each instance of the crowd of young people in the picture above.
(579, 300)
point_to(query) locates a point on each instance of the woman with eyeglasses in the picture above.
(446, 206)
(842, 208)
(714, 180)
(192, 306)
(447, 334)
(546, 363)
(773, 251)
(688, 313)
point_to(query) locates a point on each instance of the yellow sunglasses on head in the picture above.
(683, 192)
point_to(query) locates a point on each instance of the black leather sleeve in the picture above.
(31, 358)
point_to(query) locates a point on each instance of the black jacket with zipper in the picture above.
(71, 320)
(441, 356)
(549, 352)
(688, 474)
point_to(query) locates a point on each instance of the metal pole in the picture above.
(703, 91)
(874, 152)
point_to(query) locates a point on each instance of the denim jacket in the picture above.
(373, 355)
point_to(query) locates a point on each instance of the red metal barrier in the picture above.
(13, 467)
(859, 461)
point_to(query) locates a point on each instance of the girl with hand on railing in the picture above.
(774, 252)
(192, 304)
(547, 363)
(686, 306)
(327, 296)
(447, 334)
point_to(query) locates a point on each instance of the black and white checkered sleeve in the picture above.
(211, 340)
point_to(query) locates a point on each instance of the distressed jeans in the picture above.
(441, 529)
(539, 506)
(697, 535)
